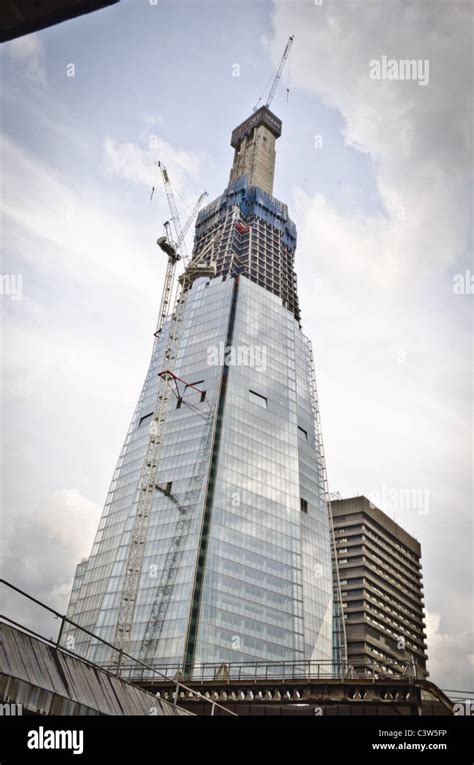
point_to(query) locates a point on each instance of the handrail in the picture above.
(64, 619)
(285, 671)
(242, 671)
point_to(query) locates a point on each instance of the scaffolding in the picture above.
(263, 240)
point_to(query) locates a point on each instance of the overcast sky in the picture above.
(377, 175)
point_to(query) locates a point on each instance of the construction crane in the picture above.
(278, 74)
(187, 503)
(179, 231)
(148, 483)
(203, 264)
(173, 249)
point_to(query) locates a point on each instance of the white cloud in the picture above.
(83, 240)
(40, 552)
(418, 138)
(451, 662)
(137, 163)
(71, 520)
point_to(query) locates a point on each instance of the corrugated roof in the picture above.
(47, 680)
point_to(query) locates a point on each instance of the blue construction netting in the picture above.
(253, 201)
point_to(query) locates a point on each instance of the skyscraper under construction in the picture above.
(215, 540)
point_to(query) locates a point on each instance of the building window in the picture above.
(145, 418)
(304, 505)
(302, 432)
(258, 399)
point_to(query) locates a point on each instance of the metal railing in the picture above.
(134, 670)
(281, 671)
(120, 668)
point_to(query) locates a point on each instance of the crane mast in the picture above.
(174, 252)
(173, 209)
(148, 483)
(186, 504)
(280, 70)
(278, 74)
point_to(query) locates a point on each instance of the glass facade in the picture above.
(236, 560)
(267, 590)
